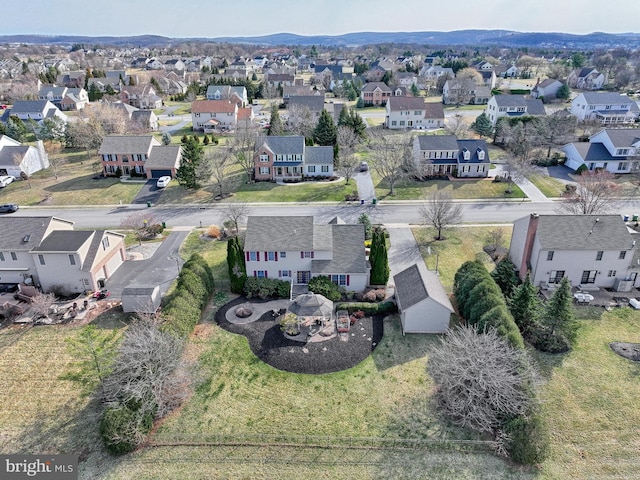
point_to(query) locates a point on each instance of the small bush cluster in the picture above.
(214, 232)
(266, 287)
(195, 287)
(481, 303)
(325, 287)
(367, 308)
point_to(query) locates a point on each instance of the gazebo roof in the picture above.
(311, 305)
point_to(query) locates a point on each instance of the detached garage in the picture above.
(422, 301)
(164, 160)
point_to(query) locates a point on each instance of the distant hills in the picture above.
(501, 38)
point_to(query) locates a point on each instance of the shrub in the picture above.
(528, 439)
(369, 296)
(192, 283)
(123, 429)
(381, 294)
(581, 169)
(324, 286)
(266, 287)
(214, 231)
(154, 230)
(550, 342)
(203, 271)
(367, 308)
(182, 314)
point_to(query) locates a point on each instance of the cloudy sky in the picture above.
(214, 18)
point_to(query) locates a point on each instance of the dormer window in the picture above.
(480, 153)
(466, 153)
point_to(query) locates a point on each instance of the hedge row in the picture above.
(266, 287)
(367, 308)
(195, 287)
(481, 303)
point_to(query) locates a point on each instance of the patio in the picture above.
(597, 297)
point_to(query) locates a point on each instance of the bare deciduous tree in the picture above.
(495, 238)
(243, 145)
(389, 153)
(440, 211)
(456, 126)
(139, 222)
(235, 212)
(556, 130)
(300, 121)
(480, 379)
(41, 304)
(595, 194)
(218, 160)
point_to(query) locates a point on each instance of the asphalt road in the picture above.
(389, 213)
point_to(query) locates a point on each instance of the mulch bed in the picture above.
(268, 343)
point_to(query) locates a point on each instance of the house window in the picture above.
(283, 254)
(1, 257)
(622, 165)
(253, 256)
(264, 158)
(402, 123)
(41, 259)
(612, 273)
(311, 169)
(272, 256)
(14, 257)
(623, 253)
(549, 255)
(105, 243)
(588, 276)
(261, 274)
(339, 280)
(324, 168)
(599, 255)
(264, 170)
(556, 276)
(72, 260)
(307, 254)
(284, 273)
(393, 123)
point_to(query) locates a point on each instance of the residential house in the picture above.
(465, 91)
(483, 66)
(174, 65)
(46, 251)
(375, 93)
(512, 106)
(546, 89)
(405, 79)
(615, 150)
(296, 91)
(75, 99)
(104, 83)
(591, 251)
(412, 112)
(145, 119)
(436, 155)
(214, 115)
(154, 64)
(587, 78)
(432, 73)
(141, 96)
(607, 107)
(423, 304)
(506, 71)
(489, 78)
(236, 94)
(315, 104)
(280, 79)
(16, 158)
(71, 79)
(288, 158)
(52, 93)
(36, 110)
(295, 249)
(129, 153)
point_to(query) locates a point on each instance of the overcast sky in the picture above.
(215, 18)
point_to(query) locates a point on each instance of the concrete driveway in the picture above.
(403, 251)
(148, 193)
(366, 190)
(161, 269)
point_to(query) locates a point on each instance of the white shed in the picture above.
(140, 299)
(422, 301)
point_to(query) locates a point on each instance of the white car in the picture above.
(163, 181)
(6, 180)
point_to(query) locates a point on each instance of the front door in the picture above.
(303, 277)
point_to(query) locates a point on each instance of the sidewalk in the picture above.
(530, 190)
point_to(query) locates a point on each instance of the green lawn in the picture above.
(213, 251)
(461, 244)
(460, 189)
(296, 192)
(548, 185)
(74, 186)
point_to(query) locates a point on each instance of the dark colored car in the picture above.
(9, 208)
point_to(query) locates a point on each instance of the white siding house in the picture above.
(606, 107)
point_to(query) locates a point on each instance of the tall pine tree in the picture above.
(275, 125)
(558, 314)
(236, 264)
(525, 307)
(326, 130)
(192, 154)
(482, 125)
(378, 258)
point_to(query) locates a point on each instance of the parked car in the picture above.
(364, 166)
(163, 181)
(6, 180)
(9, 208)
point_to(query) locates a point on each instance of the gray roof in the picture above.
(371, 86)
(279, 234)
(164, 156)
(433, 110)
(123, 144)
(583, 232)
(510, 100)
(594, 152)
(473, 146)
(53, 90)
(64, 241)
(138, 290)
(13, 155)
(315, 103)
(14, 230)
(29, 106)
(128, 109)
(415, 284)
(406, 103)
(437, 142)
(283, 145)
(348, 251)
(623, 137)
(318, 155)
(594, 98)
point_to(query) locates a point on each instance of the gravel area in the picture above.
(269, 344)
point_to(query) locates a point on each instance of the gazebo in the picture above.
(308, 314)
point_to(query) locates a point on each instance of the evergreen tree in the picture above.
(505, 276)
(166, 138)
(326, 130)
(360, 103)
(275, 125)
(558, 314)
(357, 124)
(564, 92)
(378, 258)
(415, 91)
(482, 125)
(343, 119)
(236, 264)
(364, 219)
(192, 153)
(94, 93)
(525, 307)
